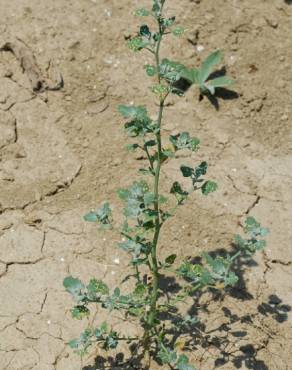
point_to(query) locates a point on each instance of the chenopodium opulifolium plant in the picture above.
(146, 211)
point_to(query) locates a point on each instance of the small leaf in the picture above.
(209, 187)
(140, 290)
(137, 43)
(149, 198)
(79, 312)
(142, 12)
(117, 292)
(231, 279)
(91, 217)
(183, 363)
(201, 169)
(170, 259)
(131, 111)
(74, 287)
(144, 31)
(160, 90)
(132, 147)
(97, 286)
(167, 22)
(187, 171)
(150, 70)
(208, 65)
(178, 31)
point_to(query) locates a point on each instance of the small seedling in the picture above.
(146, 212)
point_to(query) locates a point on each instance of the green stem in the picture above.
(153, 256)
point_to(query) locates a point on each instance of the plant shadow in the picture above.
(223, 337)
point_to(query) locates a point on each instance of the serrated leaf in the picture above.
(208, 65)
(209, 187)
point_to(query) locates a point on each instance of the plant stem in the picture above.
(153, 256)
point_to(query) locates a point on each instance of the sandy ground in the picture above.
(62, 153)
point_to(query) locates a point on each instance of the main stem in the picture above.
(153, 256)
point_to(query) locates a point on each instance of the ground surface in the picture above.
(63, 153)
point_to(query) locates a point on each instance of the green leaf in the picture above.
(132, 147)
(142, 12)
(209, 187)
(179, 193)
(183, 363)
(168, 22)
(170, 70)
(208, 65)
(159, 90)
(170, 259)
(231, 279)
(102, 215)
(167, 356)
(131, 111)
(178, 31)
(79, 312)
(145, 31)
(137, 43)
(191, 75)
(186, 171)
(91, 217)
(97, 287)
(201, 170)
(117, 292)
(150, 70)
(140, 290)
(149, 198)
(222, 81)
(75, 287)
(184, 141)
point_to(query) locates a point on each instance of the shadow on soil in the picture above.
(223, 338)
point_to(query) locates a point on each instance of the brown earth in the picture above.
(62, 153)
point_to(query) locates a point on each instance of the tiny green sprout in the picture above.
(147, 210)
